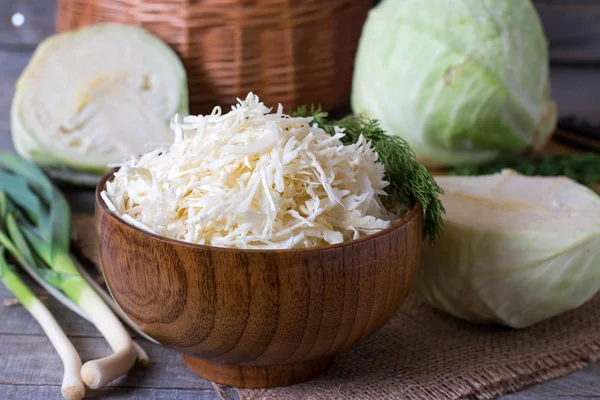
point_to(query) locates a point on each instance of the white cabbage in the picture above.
(95, 96)
(514, 250)
(463, 81)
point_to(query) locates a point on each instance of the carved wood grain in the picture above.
(257, 308)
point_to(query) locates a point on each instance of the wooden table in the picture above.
(29, 367)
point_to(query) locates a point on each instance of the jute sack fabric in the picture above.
(426, 354)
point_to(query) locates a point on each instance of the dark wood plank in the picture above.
(13, 64)
(553, 397)
(577, 91)
(81, 200)
(48, 392)
(572, 28)
(39, 23)
(29, 359)
(580, 384)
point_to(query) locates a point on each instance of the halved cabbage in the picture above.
(94, 96)
(514, 250)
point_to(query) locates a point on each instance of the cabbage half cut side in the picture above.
(94, 97)
(514, 250)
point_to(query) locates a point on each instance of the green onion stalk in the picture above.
(72, 387)
(37, 234)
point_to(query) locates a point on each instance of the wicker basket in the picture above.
(292, 52)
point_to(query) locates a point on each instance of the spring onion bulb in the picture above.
(37, 223)
(97, 373)
(72, 387)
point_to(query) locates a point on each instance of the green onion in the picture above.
(72, 387)
(36, 232)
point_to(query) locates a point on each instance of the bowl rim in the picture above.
(409, 217)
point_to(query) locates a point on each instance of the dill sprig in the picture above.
(409, 180)
(581, 167)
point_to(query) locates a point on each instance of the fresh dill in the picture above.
(581, 167)
(409, 180)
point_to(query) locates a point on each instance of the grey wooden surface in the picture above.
(30, 369)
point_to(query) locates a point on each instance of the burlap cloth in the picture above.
(425, 354)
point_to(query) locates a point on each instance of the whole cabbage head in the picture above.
(515, 250)
(463, 81)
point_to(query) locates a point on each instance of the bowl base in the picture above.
(256, 376)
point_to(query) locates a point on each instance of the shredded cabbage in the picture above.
(253, 179)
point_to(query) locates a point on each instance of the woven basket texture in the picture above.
(292, 52)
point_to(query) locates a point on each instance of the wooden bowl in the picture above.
(257, 318)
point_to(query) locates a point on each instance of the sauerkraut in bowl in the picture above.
(254, 179)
